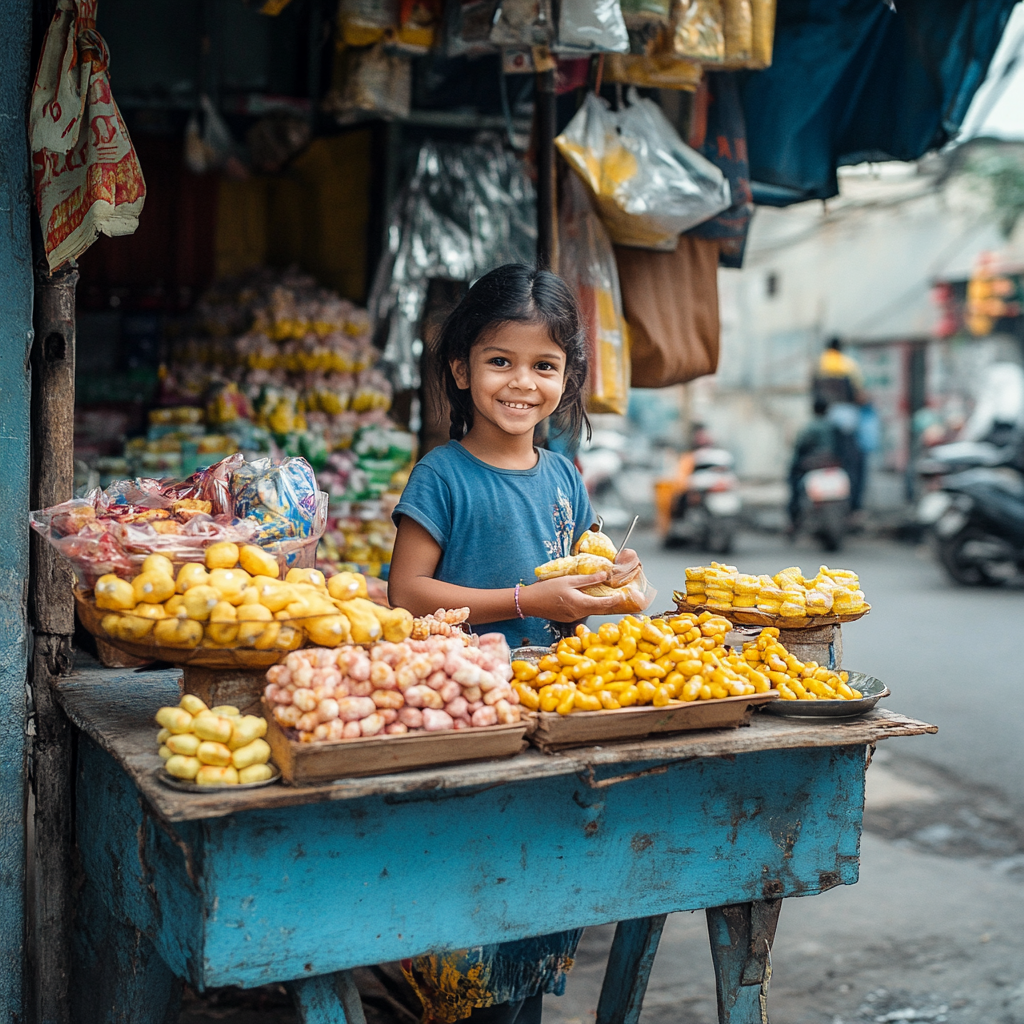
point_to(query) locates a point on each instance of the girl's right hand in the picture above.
(562, 599)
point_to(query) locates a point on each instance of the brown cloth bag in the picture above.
(670, 300)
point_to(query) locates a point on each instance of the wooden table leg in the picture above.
(327, 999)
(629, 967)
(117, 975)
(741, 942)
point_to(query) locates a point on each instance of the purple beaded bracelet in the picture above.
(519, 611)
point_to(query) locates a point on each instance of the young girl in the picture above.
(477, 516)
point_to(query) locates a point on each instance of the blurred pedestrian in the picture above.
(840, 382)
(817, 446)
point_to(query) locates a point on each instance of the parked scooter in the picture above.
(824, 505)
(703, 508)
(978, 523)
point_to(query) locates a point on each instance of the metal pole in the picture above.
(547, 238)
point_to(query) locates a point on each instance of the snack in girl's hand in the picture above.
(630, 586)
(594, 542)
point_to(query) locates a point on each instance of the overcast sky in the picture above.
(998, 106)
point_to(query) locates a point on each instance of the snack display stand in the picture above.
(300, 884)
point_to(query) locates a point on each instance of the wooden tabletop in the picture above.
(115, 708)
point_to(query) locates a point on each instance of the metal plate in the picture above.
(190, 787)
(873, 689)
(531, 654)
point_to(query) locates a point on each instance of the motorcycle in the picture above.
(978, 523)
(824, 505)
(706, 510)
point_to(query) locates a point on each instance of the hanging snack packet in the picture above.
(418, 21)
(763, 32)
(364, 22)
(519, 23)
(738, 30)
(379, 82)
(697, 30)
(657, 71)
(642, 12)
(467, 28)
(587, 265)
(648, 185)
(591, 26)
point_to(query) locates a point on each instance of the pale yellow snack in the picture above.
(191, 574)
(256, 773)
(313, 576)
(114, 594)
(158, 563)
(200, 601)
(153, 587)
(257, 562)
(182, 767)
(222, 555)
(211, 775)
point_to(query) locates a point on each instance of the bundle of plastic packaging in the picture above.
(464, 211)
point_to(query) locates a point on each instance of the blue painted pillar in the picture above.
(15, 342)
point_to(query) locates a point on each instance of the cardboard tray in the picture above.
(306, 763)
(552, 731)
(752, 617)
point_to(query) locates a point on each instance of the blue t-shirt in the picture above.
(495, 526)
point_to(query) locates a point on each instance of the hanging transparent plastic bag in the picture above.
(587, 265)
(697, 30)
(591, 26)
(648, 185)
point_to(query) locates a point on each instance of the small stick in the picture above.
(629, 533)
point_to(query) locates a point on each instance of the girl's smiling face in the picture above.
(515, 376)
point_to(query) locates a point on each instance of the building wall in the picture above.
(860, 267)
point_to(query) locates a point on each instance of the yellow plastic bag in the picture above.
(647, 184)
(697, 30)
(587, 265)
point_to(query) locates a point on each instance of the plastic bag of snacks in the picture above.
(113, 531)
(697, 30)
(594, 552)
(587, 264)
(586, 26)
(648, 184)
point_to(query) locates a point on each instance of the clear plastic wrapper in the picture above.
(649, 186)
(464, 211)
(631, 587)
(113, 531)
(587, 265)
(591, 26)
(697, 30)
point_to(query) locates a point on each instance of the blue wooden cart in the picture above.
(300, 885)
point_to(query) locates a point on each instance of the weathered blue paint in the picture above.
(308, 890)
(327, 999)
(15, 343)
(629, 968)
(741, 938)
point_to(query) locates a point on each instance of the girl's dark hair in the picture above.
(516, 293)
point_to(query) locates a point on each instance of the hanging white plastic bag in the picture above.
(647, 184)
(87, 177)
(591, 26)
(586, 262)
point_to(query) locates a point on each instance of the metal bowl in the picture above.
(530, 654)
(183, 786)
(873, 689)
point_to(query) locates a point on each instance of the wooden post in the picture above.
(15, 341)
(629, 969)
(741, 947)
(547, 242)
(53, 620)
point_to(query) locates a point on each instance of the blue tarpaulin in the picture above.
(852, 80)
